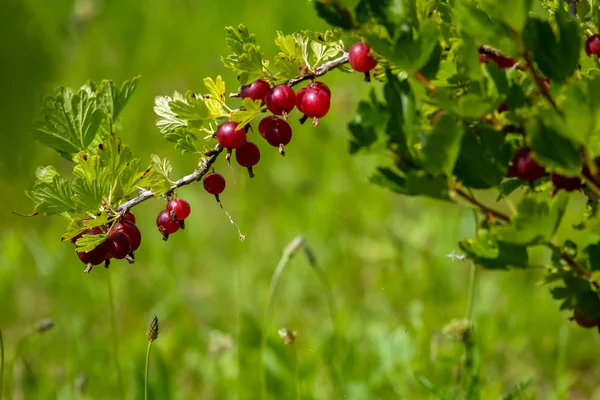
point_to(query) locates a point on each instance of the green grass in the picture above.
(385, 256)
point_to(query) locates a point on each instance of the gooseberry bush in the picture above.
(493, 105)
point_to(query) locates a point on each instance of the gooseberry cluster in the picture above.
(524, 167)
(170, 220)
(123, 239)
(313, 101)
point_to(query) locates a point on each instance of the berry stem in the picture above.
(540, 83)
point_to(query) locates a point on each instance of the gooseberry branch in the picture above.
(212, 155)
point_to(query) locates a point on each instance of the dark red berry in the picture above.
(527, 169)
(320, 85)
(178, 209)
(166, 225)
(128, 217)
(131, 230)
(248, 156)
(257, 90)
(360, 59)
(502, 108)
(229, 136)
(214, 183)
(315, 103)
(299, 97)
(592, 45)
(584, 321)
(280, 100)
(119, 245)
(277, 132)
(563, 182)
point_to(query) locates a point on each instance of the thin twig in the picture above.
(539, 81)
(572, 8)
(579, 269)
(186, 180)
(481, 206)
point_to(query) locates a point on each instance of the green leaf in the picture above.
(191, 107)
(78, 225)
(53, 197)
(131, 179)
(387, 178)
(251, 108)
(536, 221)
(246, 59)
(379, 10)
(478, 24)
(289, 58)
(45, 174)
(553, 150)
(113, 99)
(168, 121)
(91, 184)
(159, 179)
(369, 123)
(442, 145)
(581, 106)
(334, 14)
(483, 158)
(401, 108)
(162, 167)
(436, 390)
(87, 243)
(488, 252)
(407, 52)
(557, 55)
(69, 122)
(422, 184)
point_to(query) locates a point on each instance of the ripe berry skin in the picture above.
(131, 230)
(179, 209)
(583, 320)
(257, 90)
(360, 59)
(277, 132)
(299, 97)
(527, 169)
(166, 225)
(229, 136)
(315, 102)
(214, 183)
(119, 245)
(128, 217)
(320, 85)
(502, 108)
(563, 182)
(592, 45)
(281, 99)
(248, 156)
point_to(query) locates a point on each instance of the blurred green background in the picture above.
(393, 286)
